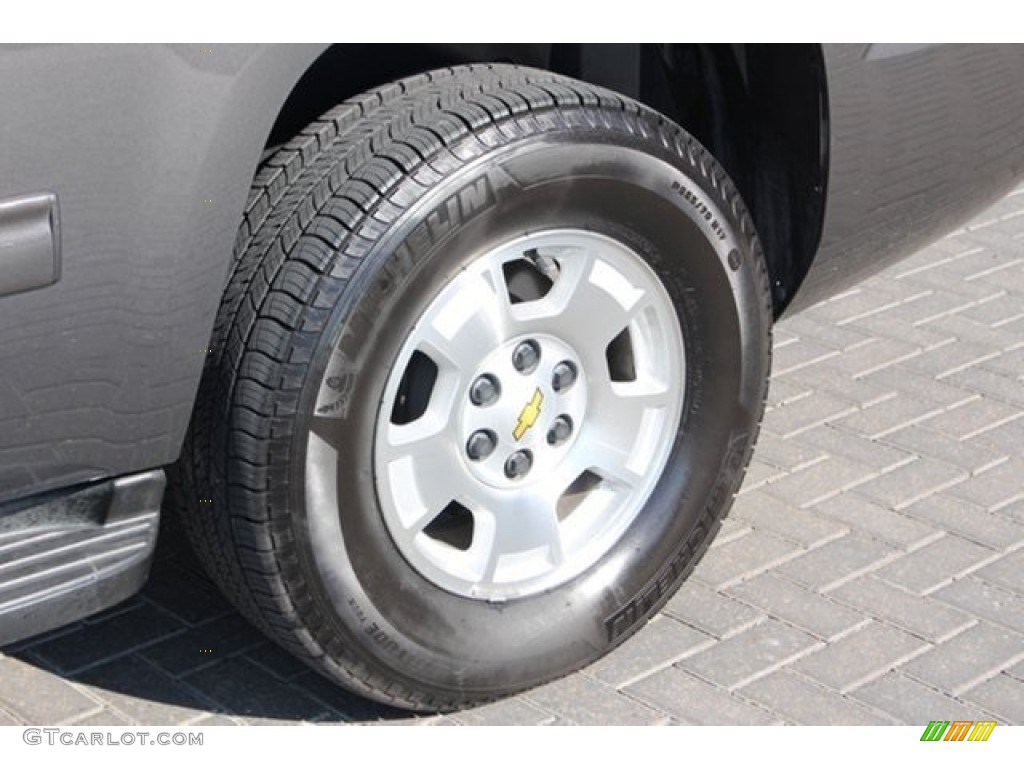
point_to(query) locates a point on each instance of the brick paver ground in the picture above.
(872, 569)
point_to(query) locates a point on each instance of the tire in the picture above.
(347, 397)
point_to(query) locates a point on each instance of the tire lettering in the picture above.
(644, 603)
(702, 210)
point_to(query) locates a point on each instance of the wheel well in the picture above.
(760, 109)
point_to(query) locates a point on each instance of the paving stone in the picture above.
(506, 712)
(758, 473)
(922, 337)
(912, 703)
(583, 701)
(996, 487)
(764, 512)
(820, 481)
(1013, 511)
(968, 329)
(241, 688)
(1001, 695)
(974, 418)
(911, 385)
(857, 302)
(860, 656)
(888, 416)
(787, 455)
(203, 644)
(806, 326)
(836, 377)
(912, 482)
(925, 617)
(915, 304)
(663, 641)
(731, 529)
(750, 654)
(217, 720)
(992, 384)
(1010, 362)
(996, 313)
(831, 564)
(804, 703)
(6, 718)
(338, 702)
(1007, 572)
(874, 355)
(782, 392)
(950, 358)
(39, 697)
(965, 660)
(790, 419)
(1006, 438)
(143, 693)
(1016, 671)
(936, 564)
(276, 661)
(119, 634)
(864, 451)
(744, 557)
(104, 718)
(694, 701)
(798, 353)
(986, 601)
(867, 517)
(709, 611)
(921, 440)
(968, 521)
(807, 610)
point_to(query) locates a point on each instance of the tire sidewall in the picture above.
(640, 192)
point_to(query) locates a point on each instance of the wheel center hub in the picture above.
(522, 411)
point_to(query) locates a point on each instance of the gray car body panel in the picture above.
(151, 150)
(921, 139)
(99, 371)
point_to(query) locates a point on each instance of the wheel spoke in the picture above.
(423, 470)
(462, 330)
(591, 302)
(626, 429)
(524, 536)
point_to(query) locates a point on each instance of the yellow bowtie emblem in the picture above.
(528, 416)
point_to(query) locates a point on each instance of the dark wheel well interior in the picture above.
(761, 109)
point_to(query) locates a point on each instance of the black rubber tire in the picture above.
(318, 267)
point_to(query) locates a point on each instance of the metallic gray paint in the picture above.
(922, 138)
(98, 372)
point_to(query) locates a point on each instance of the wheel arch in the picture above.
(762, 110)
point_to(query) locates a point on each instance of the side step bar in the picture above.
(68, 554)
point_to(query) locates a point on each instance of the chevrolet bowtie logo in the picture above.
(528, 416)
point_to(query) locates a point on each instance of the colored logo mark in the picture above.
(958, 730)
(528, 416)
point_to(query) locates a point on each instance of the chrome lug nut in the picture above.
(518, 464)
(526, 356)
(564, 376)
(560, 431)
(485, 390)
(481, 444)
